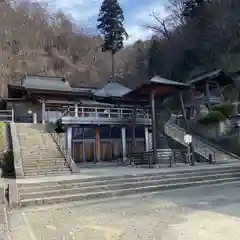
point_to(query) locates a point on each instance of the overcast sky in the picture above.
(136, 12)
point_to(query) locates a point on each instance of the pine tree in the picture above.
(191, 8)
(110, 23)
(153, 58)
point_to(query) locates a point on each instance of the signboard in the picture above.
(187, 138)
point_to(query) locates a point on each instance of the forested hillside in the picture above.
(197, 36)
(34, 40)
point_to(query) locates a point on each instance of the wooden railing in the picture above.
(169, 157)
(63, 149)
(98, 112)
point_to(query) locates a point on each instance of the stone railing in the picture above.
(200, 145)
(62, 146)
(17, 153)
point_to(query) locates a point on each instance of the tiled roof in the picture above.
(46, 83)
(112, 89)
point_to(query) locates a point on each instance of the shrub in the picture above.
(2, 124)
(59, 127)
(226, 109)
(212, 118)
(8, 164)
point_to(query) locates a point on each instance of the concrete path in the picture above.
(202, 213)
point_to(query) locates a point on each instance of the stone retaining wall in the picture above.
(16, 151)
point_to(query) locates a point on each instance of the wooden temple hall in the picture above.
(102, 124)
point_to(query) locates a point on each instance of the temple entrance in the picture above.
(84, 151)
(105, 150)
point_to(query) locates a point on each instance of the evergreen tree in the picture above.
(154, 54)
(110, 23)
(191, 8)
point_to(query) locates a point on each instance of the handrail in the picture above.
(214, 145)
(173, 121)
(63, 149)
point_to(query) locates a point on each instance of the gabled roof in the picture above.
(217, 75)
(163, 87)
(112, 89)
(164, 81)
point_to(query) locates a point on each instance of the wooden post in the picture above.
(187, 128)
(69, 140)
(124, 144)
(76, 109)
(43, 110)
(146, 139)
(97, 144)
(154, 135)
(134, 130)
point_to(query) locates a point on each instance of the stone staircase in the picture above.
(77, 188)
(201, 146)
(39, 153)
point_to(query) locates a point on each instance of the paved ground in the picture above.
(207, 213)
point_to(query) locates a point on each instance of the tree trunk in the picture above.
(113, 68)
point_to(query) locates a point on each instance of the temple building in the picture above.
(99, 122)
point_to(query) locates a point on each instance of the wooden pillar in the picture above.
(97, 144)
(146, 139)
(124, 143)
(154, 134)
(76, 110)
(69, 139)
(134, 130)
(43, 110)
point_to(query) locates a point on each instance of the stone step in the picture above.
(55, 174)
(80, 183)
(121, 192)
(40, 144)
(46, 169)
(42, 156)
(116, 186)
(52, 166)
(32, 161)
(168, 174)
(36, 161)
(52, 169)
(47, 173)
(45, 161)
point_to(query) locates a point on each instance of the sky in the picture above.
(137, 13)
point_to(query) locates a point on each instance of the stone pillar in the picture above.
(146, 139)
(124, 144)
(221, 128)
(13, 114)
(97, 144)
(69, 139)
(43, 110)
(76, 110)
(35, 118)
